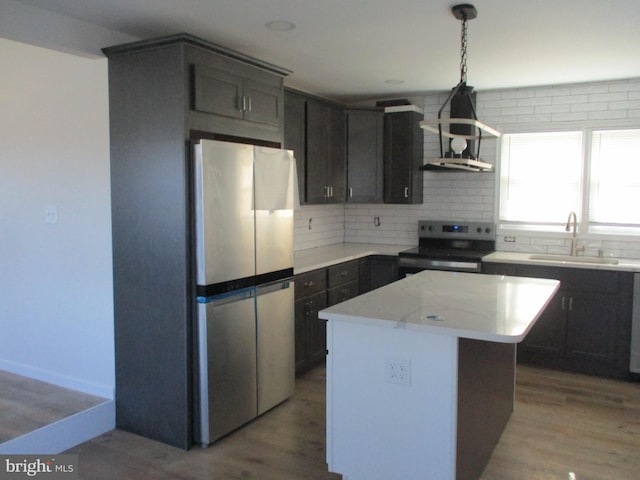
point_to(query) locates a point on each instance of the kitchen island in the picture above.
(421, 373)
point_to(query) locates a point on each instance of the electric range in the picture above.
(443, 245)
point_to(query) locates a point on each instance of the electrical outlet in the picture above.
(51, 214)
(398, 370)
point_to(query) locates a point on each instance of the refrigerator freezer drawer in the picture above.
(276, 357)
(227, 336)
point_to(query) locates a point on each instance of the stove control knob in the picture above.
(487, 230)
(479, 229)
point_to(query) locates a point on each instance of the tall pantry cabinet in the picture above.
(163, 93)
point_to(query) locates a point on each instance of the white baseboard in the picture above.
(104, 391)
(64, 434)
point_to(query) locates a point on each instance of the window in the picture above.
(540, 177)
(546, 175)
(614, 193)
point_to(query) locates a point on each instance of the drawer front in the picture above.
(310, 283)
(343, 273)
(343, 292)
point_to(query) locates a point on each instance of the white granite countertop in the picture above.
(320, 257)
(468, 305)
(623, 264)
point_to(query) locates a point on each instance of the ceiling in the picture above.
(349, 50)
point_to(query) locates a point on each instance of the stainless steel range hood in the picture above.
(457, 164)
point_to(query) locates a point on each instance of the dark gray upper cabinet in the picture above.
(365, 130)
(353, 155)
(326, 163)
(223, 93)
(403, 156)
(295, 135)
(162, 92)
(315, 131)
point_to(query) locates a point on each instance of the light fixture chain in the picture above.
(463, 52)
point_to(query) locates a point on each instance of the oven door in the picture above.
(411, 265)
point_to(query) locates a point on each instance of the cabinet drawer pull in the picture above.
(571, 304)
(344, 273)
(310, 283)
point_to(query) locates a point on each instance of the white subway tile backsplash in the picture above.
(589, 88)
(608, 97)
(570, 99)
(570, 117)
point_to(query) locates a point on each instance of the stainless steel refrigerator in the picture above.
(244, 199)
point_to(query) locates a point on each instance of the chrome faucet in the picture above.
(573, 220)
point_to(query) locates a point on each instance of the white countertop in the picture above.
(320, 257)
(623, 265)
(468, 305)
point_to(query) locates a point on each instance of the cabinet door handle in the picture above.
(248, 104)
(406, 192)
(568, 306)
(350, 192)
(331, 192)
(240, 103)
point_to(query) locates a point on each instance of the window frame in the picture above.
(586, 228)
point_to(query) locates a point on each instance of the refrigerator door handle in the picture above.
(274, 287)
(224, 298)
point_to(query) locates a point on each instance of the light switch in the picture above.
(51, 214)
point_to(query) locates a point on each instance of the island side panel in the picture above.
(382, 430)
(486, 388)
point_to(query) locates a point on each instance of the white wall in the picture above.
(56, 313)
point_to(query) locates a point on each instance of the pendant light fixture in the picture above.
(464, 127)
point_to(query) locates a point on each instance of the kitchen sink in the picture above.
(575, 259)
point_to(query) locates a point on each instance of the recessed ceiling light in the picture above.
(280, 25)
(394, 81)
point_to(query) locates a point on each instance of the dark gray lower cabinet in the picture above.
(325, 287)
(384, 270)
(587, 326)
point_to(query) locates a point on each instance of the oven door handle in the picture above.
(432, 264)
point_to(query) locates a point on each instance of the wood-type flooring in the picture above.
(564, 426)
(27, 404)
